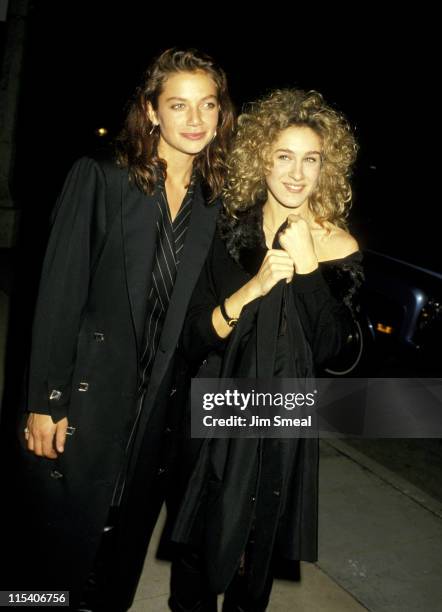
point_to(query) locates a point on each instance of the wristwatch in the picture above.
(231, 321)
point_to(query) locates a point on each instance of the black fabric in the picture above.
(89, 329)
(220, 502)
(170, 241)
(190, 591)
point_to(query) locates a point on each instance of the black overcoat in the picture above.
(228, 480)
(87, 331)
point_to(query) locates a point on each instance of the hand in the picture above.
(297, 241)
(276, 265)
(41, 432)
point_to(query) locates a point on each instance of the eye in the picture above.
(283, 157)
(178, 106)
(311, 160)
(210, 105)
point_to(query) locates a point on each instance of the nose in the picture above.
(296, 170)
(194, 116)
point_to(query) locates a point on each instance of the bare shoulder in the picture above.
(335, 244)
(341, 243)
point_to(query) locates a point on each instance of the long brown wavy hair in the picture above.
(137, 143)
(260, 126)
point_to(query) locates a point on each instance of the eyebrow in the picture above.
(306, 153)
(185, 99)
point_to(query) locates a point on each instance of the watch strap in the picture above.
(231, 321)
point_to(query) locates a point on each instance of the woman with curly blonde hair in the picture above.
(276, 298)
(307, 115)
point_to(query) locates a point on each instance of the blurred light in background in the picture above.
(384, 329)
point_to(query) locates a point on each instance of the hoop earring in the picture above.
(153, 129)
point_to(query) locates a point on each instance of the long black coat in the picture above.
(232, 476)
(85, 363)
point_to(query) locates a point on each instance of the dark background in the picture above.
(84, 59)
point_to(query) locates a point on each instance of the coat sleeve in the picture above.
(327, 303)
(63, 289)
(199, 336)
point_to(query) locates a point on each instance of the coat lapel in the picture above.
(198, 240)
(139, 236)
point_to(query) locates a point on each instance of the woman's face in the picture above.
(187, 113)
(295, 159)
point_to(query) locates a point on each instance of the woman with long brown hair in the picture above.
(129, 237)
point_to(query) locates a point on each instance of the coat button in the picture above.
(83, 386)
(277, 493)
(253, 499)
(173, 391)
(56, 474)
(168, 430)
(161, 471)
(55, 395)
(98, 336)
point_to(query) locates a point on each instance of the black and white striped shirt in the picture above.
(169, 246)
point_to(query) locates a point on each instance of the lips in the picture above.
(293, 188)
(193, 135)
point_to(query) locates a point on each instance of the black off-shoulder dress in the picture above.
(265, 490)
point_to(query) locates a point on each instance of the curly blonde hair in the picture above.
(260, 126)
